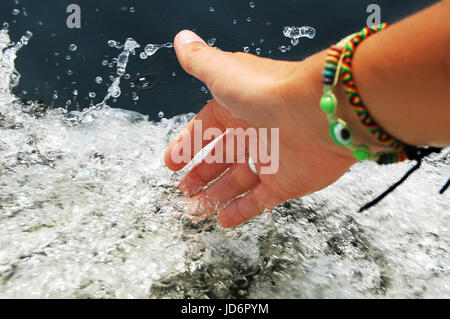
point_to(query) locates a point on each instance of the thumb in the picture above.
(204, 62)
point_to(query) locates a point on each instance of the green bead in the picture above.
(328, 104)
(362, 153)
(330, 66)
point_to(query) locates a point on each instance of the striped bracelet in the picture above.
(339, 60)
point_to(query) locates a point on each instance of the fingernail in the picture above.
(186, 36)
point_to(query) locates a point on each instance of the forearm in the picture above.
(403, 77)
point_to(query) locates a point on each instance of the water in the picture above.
(87, 209)
(157, 22)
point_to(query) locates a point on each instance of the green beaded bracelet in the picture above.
(339, 131)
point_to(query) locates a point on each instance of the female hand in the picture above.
(254, 92)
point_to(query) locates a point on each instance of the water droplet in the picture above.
(211, 42)
(235, 21)
(161, 115)
(92, 95)
(151, 49)
(174, 74)
(105, 62)
(252, 5)
(132, 10)
(249, 19)
(211, 9)
(135, 97)
(75, 92)
(15, 12)
(258, 51)
(283, 48)
(68, 57)
(69, 72)
(127, 76)
(99, 80)
(246, 49)
(295, 33)
(112, 43)
(143, 56)
(73, 47)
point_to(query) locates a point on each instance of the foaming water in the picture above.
(87, 209)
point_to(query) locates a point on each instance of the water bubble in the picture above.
(55, 95)
(234, 21)
(73, 47)
(135, 97)
(211, 42)
(24, 92)
(252, 5)
(161, 114)
(15, 12)
(40, 23)
(92, 95)
(174, 74)
(283, 48)
(99, 80)
(261, 40)
(295, 41)
(258, 51)
(246, 49)
(249, 19)
(111, 65)
(143, 56)
(105, 62)
(5, 26)
(68, 57)
(211, 9)
(112, 43)
(69, 72)
(132, 10)
(75, 92)
(127, 76)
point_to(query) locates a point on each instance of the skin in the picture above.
(402, 75)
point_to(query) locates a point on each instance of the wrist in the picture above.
(310, 81)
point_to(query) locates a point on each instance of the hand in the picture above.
(254, 92)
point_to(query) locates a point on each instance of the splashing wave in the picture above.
(87, 209)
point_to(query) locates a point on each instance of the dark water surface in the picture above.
(44, 68)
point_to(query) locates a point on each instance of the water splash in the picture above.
(114, 90)
(295, 33)
(87, 209)
(151, 49)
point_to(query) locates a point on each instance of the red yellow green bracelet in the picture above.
(339, 60)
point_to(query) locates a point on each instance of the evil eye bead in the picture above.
(341, 134)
